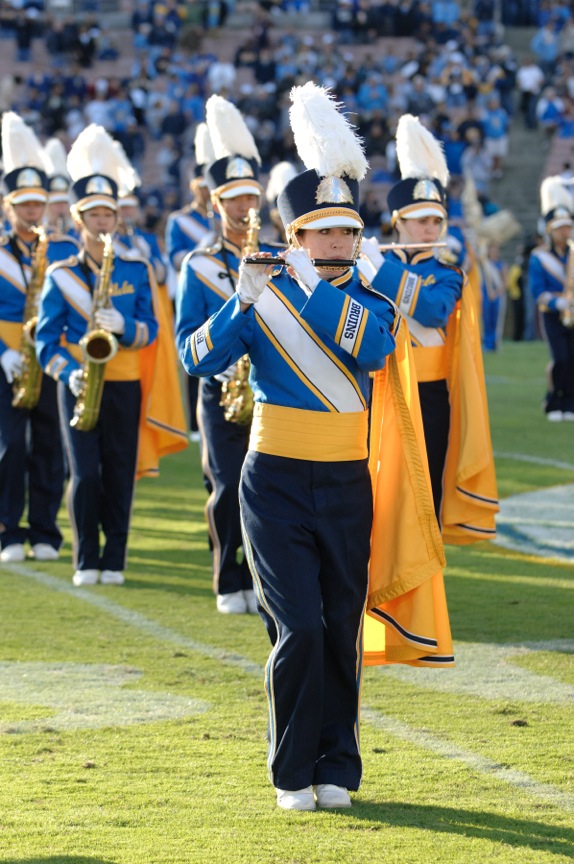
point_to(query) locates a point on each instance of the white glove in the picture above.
(252, 281)
(75, 381)
(562, 304)
(111, 320)
(370, 249)
(11, 362)
(299, 261)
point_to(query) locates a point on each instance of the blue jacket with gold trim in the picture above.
(66, 307)
(15, 274)
(313, 353)
(546, 277)
(423, 287)
(206, 281)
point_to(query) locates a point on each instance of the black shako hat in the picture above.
(312, 201)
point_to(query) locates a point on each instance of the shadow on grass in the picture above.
(468, 823)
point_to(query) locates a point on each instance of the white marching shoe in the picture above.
(44, 552)
(555, 416)
(300, 799)
(251, 600)
(85, 577)
(232, 604)
(13, 552)
(112, 577)
(328, 795)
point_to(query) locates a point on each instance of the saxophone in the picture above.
(98, 347)
(236, 394)
(27, 384)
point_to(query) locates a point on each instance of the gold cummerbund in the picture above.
(315, 436)
(431, 363)
(11, 334)
(125, 366)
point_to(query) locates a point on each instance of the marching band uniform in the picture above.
(31, 454)
(305, 489)
(194, 226)
(207, 280)
(438, 307)
(102, 460)
(550, 268)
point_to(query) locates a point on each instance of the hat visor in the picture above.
(559, 223)
(419, 211)
(128, 201)
(96, 201)
(245, 188)
(58, 197)
(349, 221)
(24, 195)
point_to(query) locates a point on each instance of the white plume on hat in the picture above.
(419, 154)
(553, 193)
(55, 157)
(204, 152)
(324, 138)
(279, 176)
(129, 179)
(228, 131)
(20, 145)
(94, 152)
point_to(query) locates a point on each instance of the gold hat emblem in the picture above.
(27, 178)
(99, 186)
(426, 190)
(59, 184)
(237, 168)
(333, 190)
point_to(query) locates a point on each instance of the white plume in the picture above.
(325, 139)
(129, 177)
(419, 154)
(94, 152)
(55, 157)
(204, 153)
(279, 176)
(20, 145)
(228, 131)
(553, 193)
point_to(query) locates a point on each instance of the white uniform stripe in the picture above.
(320, 369)
(74, 290)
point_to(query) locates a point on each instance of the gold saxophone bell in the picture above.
(98, 347)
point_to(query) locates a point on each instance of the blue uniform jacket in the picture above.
(15, 276)
(313, 353)
(546, 277)
(184, 230)
(66, 306)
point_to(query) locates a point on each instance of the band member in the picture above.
(110, 300)
(31, 454)
(551, 280)
(314, 334)
(208, 278)
(57, 219)
(196, 225)
(442, 319)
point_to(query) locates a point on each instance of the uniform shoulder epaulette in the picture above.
(449, 266)
(63, 238)
(70, 261)
(367, 285)
(207, 250)
(128, 255)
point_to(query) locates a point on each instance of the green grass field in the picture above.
(133, 720)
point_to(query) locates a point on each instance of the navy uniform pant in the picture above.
(561, 343)
(223, 449)
(307, 528)
(31, 467)
(102, 474)
(435, 410)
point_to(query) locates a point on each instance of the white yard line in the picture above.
(479, 764)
